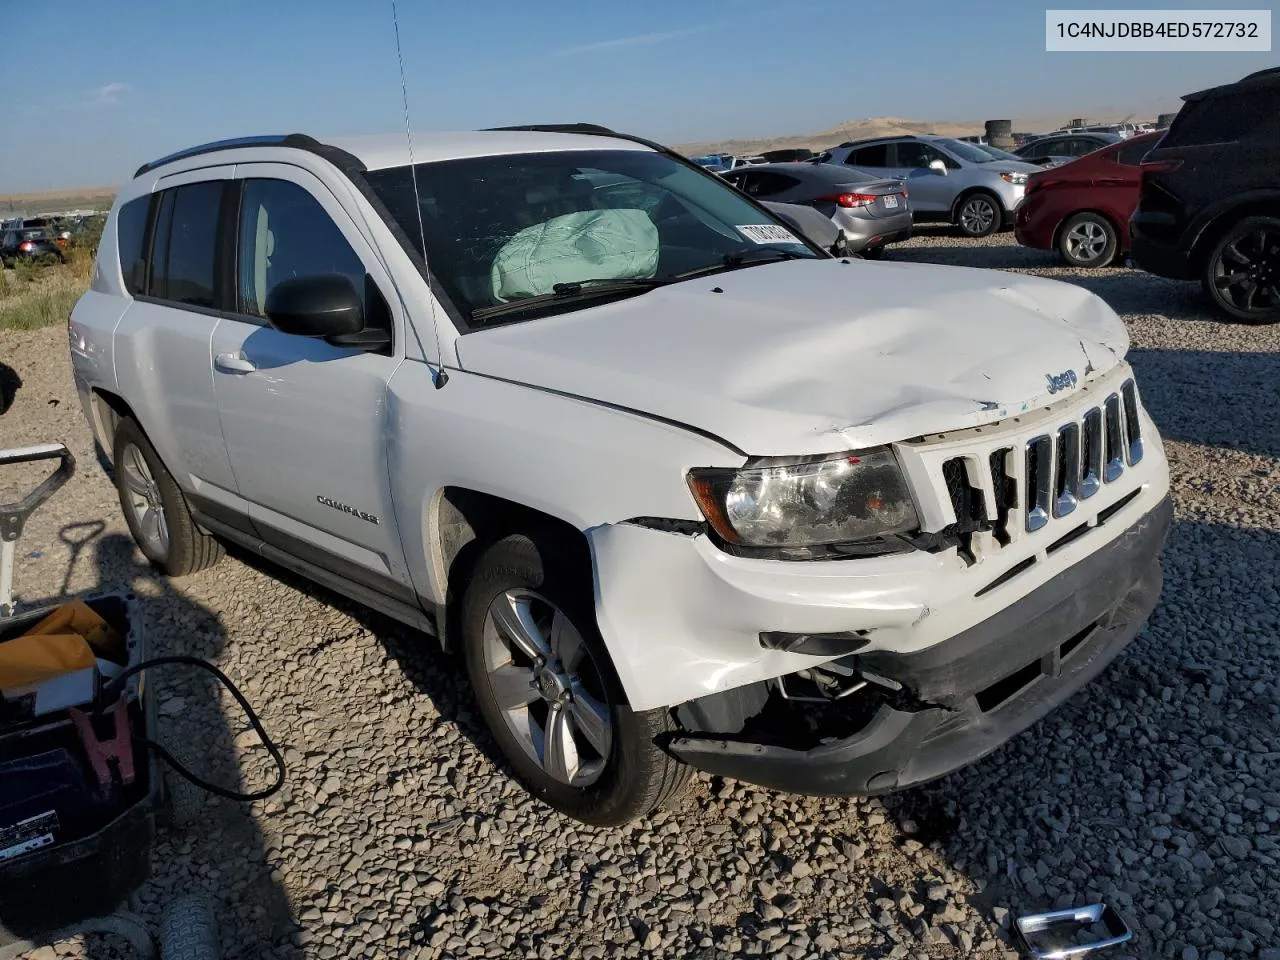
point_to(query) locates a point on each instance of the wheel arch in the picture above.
(108, 408)
(463, 521)
(968, 192)
(1267, 205)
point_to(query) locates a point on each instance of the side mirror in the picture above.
(938, 167)
(321, 306)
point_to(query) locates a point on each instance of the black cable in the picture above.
(112, 691)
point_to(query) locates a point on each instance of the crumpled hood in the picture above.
(818, 356)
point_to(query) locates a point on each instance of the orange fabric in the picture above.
(63, 642)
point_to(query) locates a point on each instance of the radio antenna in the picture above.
(441, 376)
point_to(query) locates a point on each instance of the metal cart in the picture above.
(78, 805)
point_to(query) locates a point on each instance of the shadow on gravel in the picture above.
(1216, 399)
(440, 677)
(220, 852)
(9, 384)
(1157, 787)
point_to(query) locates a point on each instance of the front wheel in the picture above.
(1088, 240)
(1242, 275)
(979, 215)
(548, 691)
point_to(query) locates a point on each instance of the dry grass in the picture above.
(37, 296)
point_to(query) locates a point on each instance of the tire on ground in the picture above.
(639, 776)
(190, 548)
(189, 930)
(1100, 228)
(975, 229)
(1262, 270)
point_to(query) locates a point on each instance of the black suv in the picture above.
(1210, 201)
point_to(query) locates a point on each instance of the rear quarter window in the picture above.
(1222, 119)
(131, 229)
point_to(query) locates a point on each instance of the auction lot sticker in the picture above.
(1224, 31)
(768, 233)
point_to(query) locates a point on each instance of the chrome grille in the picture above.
(1064, 468)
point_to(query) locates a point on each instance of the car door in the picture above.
(930, 191)
(161, 344)
(305, 421)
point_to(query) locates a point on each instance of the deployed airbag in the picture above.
(591, 244)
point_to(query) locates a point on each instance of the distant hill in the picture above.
(56, 201)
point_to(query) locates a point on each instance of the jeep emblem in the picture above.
(1062, 381)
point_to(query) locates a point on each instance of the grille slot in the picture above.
(1039, 481)
(1066, 481)
(1091, 454)
(968, 503)
(1132, 425)
(1114, 442)
(1005, 488)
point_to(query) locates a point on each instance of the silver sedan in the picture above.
(870, 211)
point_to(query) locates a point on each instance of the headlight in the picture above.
(1017, 179)
(803, 502)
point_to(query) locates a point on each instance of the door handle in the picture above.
(233, 363)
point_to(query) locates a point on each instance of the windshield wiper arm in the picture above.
(571, 290)
(732, 261)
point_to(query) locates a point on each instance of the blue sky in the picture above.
(93, 89)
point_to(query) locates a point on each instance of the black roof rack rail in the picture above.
(556, 128)
(297, 140)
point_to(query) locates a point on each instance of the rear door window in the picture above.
(768, 184)
(876, 155)
(183, 258)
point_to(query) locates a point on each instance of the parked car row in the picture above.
(1198, 201)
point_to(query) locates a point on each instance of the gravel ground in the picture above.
(397, 835)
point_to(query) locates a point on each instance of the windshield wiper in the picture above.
(749, 258)
(572, 290)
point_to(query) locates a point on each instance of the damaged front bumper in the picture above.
(955, 701)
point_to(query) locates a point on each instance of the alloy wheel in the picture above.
(976, 216)
(1086, 241)
(1247, 271)
(548, 687)
(143, 497)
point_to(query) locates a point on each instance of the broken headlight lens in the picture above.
(807, 502)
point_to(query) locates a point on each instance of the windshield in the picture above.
(965, 151)
(534, 226)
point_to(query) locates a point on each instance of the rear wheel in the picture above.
(1088, 240)
(548, 691)
(979, 215)
(1242, 274)
(873, 253)
(155, 509)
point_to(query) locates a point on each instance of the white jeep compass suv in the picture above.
(683, 489)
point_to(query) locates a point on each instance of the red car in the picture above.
(1082, 208)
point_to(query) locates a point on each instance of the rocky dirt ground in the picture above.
(1156, 789)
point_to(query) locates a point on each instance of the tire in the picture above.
(189, 930)
(979, 214)
(873, 253)
(615, 771)
(1088, 240)
(1249, 255)
(184, 801)
(155, 509)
